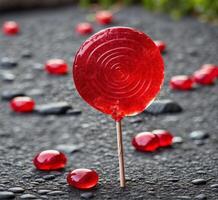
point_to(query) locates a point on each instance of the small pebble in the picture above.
(183, 197)
(10, 94)
(177, 140)
(28, 196)
(199, 181)
(7, 195)
(198, 135)
(16, 189)
(26, 53)
(74, 112)
(201, 196)
(214, 185)
(8, 77)
(87, 195)
(43, 191)
(56, 192)
(49, 177)
(53, 108)
(7, 62)
(163, 106)
(69, 148)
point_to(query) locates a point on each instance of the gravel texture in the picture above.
(166, 174)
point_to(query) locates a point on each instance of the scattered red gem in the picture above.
(84, 28)
(22, 104)
(181, 82)
(56, 66)
(211, 68)
(82, 179)
(161, 45)
(50, 160)
(165, 138)
(204, 77)
(104, 17)
(10, 28)
(145, 141)
(110, 72)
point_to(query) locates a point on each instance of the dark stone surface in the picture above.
(49, 34)
(10, 94)
(164, 106)
(8, 63)
(6, 195)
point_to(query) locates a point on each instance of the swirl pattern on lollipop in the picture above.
(118, 71)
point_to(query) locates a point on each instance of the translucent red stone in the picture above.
(56, 66)
(181, 82)
(161, 45)
(50, 160)
(165, 137)
(84, 28)
(118, 71)
(82, 179)
(211, 68)
(10, 28)
(146, 142)
(204, 77)
(104, 17)
(22, 104)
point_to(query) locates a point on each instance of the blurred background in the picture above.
(204, 9)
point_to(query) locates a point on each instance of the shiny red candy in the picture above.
(145, 141)
(22, 104)
(10, 28)
(104, 17)
(161, 45)
(84, 28)
(56, 66)
(118, 71)
(165, 137)
(50, 160)
(204, 77)
(82, 179)
(181, 82)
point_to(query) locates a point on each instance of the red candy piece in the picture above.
(84, 28)
(50, 160)
(165, 137)
(161, 45)
(204, 77)
(211, 68)
(82, 179)
(181, 82)
(10, 28)
(118, 71)
(145, 141)
(104, 17)
(22, 104)
(56, 66)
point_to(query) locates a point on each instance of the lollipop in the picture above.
(118, 71)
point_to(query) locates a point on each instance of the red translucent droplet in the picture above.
(165, 137)
(50, 160)
(83, 179)
(84, 28)
(161, 45)
(56, 66)
(118, 71)
(181, 82)
(145, 141)
(22, 104)
(204, 77)
(10, 28)
(211, 68)
(104, 17)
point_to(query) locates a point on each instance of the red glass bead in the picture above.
(181, 82)
(104, 17)
(161, 45)
(56, 66)
(50, 160)
(84, 28)
(165, 137)
(118, 71)
(204, 77)
(22, 104)
(10, 28)
(82, 179)
(145, 141)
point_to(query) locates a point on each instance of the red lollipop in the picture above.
(118, 71)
